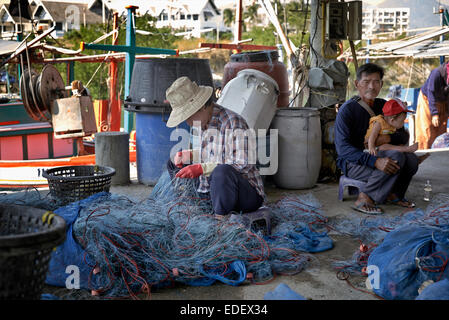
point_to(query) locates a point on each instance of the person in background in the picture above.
(226, 176)
(432, 107)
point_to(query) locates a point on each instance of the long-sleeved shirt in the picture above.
(350, 127)
(224, 142)
(433, 89)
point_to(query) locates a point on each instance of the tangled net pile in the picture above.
(31, 197)
(371, 230)
(173, 237)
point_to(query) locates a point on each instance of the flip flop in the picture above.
(359, 207)
(396, 202)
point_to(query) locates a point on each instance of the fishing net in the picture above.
(172, 237)
(371, 231)
(31, 197)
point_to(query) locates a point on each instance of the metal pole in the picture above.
(19, 39)
(103, 12)
(70, 70)
(129, 63)
(316, 30)
(354, 55)
(368, 43)
(218, 32)
(442, 36)
(238, 22)
(114, 105)
(7, 80)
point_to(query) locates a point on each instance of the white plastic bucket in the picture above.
(253, 95)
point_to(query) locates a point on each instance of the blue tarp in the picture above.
(71, 253)
(436, 291)
(408, 257)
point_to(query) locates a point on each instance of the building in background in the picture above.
(63, 15)
(189, 16)
(380, 20)
(10, 25)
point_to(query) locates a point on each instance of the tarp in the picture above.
(8, 47)
(408, 257)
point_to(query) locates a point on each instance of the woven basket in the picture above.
(73, 183)
(26, 244)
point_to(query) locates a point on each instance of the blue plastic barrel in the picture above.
(153, 145)
(150, 80)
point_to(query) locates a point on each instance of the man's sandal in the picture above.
(402, 203)
(360, 207)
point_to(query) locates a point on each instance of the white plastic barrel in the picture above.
(299, 158)
(253, 95)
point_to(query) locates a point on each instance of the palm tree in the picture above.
(251, 13)
(228, 16)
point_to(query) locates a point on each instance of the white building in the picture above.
(10, 25)
(63, 15)
(378, 20)
(192, 16)
(186, 16)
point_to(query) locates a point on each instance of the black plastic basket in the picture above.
(27, 238)
(73, 183)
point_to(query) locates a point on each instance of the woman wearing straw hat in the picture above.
(224, 171)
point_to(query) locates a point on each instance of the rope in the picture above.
(93, 75)
(104, 36)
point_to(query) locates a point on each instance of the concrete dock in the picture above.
(319, 282)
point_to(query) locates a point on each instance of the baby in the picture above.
(394, 114)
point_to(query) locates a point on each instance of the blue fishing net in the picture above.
(129, 248)
(371, 231)
(409, 256)
(31, 197)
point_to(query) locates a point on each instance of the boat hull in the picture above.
(28, 173)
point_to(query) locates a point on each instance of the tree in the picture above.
(228, 17)
(296, 22)
(251, 13)
(157, 38)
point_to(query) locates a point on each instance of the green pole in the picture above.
(7, 79)
(129, 64)
(19, 69)
(130, 49)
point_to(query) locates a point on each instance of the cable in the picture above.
(304, 25)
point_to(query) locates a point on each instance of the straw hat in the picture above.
(185, 98)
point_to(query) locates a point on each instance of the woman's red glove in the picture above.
(192, 171)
